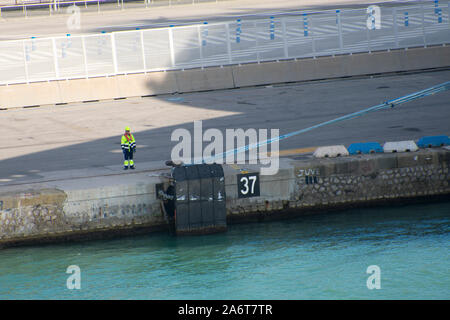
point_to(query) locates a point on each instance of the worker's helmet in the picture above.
(127, 128)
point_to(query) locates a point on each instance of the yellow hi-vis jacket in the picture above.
(128, 143)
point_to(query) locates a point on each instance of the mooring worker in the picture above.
(128, 148)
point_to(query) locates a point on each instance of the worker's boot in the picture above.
(132, 164)
(125, 165)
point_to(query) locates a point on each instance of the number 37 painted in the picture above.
(248, 185)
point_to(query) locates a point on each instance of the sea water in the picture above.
(321, 256)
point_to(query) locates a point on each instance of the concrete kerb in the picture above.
(32, 94)
(254, 74)
(376, 62)
(430, 57)
(152, 83)
(80, 90)
(212, 78)
(327, 67)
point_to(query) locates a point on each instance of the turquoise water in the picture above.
(314, 257)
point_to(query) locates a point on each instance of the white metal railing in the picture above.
(219, 44)
(20, 3)
(56, 5)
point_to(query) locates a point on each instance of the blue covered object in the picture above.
(365, 148)
(433, 141)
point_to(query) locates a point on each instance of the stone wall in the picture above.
(350, 181)
(32, 211)
(371, 178)
(44, 214)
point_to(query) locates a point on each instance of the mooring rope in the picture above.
(385, 105)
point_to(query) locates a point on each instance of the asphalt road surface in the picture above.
(39, 24)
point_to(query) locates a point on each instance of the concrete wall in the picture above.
(227, 77)
(72, 209)
(90, 210)
(352, 181)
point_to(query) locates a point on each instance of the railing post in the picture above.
(200, 45)
(285, 45)
(25, 61)
(341, 41)
(238, 31)
(312, 38)
(83, 46)
(394, 21)
(114, 52)
(272, 28)
(55, 58)
(144, 64)
(448, 16)
(256, 45)
(172, 52)
(227, 30)
(305, 25)
(423, 25)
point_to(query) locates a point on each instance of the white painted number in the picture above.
(245, 180)
(247, 189)
(253, 178)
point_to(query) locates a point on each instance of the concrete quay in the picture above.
(98, 205)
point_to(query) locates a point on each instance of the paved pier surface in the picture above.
(83, 139)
